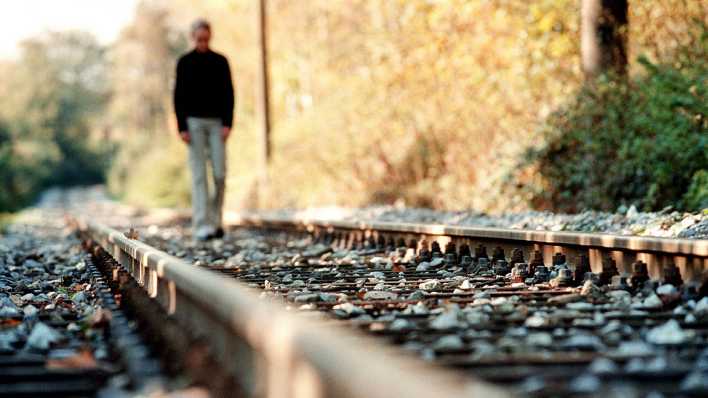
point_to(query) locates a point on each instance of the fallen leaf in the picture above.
(131, 234)
(398, 267)
(10, 322)
(360, 294)
(83, 359)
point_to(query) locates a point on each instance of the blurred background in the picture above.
(457, 104)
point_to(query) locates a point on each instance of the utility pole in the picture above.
(263, 97)
(603, 43)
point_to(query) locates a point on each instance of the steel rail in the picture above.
(689, 255)
(270, 352)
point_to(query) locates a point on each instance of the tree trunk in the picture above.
(604, 37)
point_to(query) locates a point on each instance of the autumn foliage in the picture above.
(427, 103)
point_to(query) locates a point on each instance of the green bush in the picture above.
(696, 196)
(642, 141)
(151, 171)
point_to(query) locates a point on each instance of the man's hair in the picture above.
(200, 23)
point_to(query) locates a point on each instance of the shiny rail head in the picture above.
(695, 247)
(689, 256)
(295, 354)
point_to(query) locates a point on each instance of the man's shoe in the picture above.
(204, 233)
(219, 233)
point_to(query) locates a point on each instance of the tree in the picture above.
(604, 37)
(143, 61)
(57, 96)
(51, 100)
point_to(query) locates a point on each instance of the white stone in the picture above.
(668, 333)
(632, 212)
(535, 321)
(666, 290)
(380, 295)
(499, 301)
(430, 284)
(30, 310)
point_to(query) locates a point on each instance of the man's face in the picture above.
(201, 39)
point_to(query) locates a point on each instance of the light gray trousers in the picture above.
(205, 145)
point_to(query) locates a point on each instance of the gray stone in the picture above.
(652, 302)
(32, 264)
(400, 325)
(449, 342)
(701, 308)
(695, 381)
(42, 337)
(9, 312)
(446, 320)
(603, 366)
(29, 311)
(585, 384)
(583, 341)
(307, 298)
(634, 348)
(347, 310)
(539, 339)
(79, 297)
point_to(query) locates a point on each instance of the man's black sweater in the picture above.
(203, 88)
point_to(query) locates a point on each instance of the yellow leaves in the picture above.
(545, 24)
(562, 46)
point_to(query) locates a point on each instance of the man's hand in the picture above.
(184, 135)
(225, 132)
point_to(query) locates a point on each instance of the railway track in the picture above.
(62, 330)
(532, 313)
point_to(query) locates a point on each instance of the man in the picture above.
(204, 102)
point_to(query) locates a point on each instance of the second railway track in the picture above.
(547, 314)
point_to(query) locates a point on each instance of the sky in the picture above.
(21, 19)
